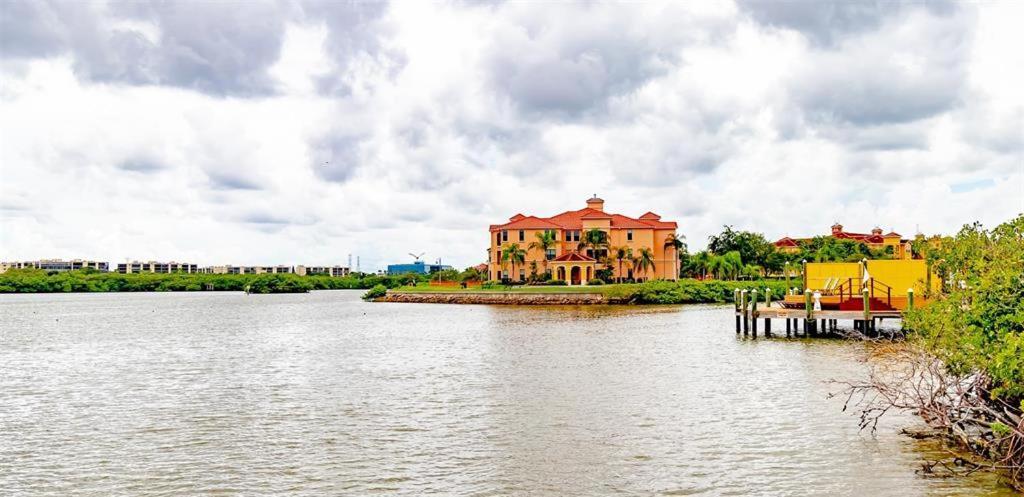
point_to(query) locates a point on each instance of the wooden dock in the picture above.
(807, 321)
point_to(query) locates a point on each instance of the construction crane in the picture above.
(417, 257)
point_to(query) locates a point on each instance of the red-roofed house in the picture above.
(565, 261)
(874, 240)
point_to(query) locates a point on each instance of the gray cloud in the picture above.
(826, 23)
(219, 48)
(893, 78)
(354, 30)
(558, 66)
(336, 157)
(145, 165)
(34, 28)
(229, 180)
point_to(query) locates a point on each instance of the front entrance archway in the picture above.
(574, 276)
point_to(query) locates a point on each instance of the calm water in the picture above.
(322, 394)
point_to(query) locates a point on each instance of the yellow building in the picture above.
(576, 265)
(888, 282)
(875, 241)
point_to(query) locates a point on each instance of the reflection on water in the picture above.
(180, 394)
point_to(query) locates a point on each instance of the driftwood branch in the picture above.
(959, 406)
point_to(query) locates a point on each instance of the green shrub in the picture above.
(977, 323)
(555, 283)
(595, 281)
(375, 293)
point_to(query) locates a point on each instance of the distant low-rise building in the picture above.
(901, 248)
(333, 271)
(55, 265)
(336, 271)
(418, 267)
(136, 267)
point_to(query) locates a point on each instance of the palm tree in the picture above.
(716, 265)
(593, 238)
(644, 261)
(674, 242)
(733, 263)
(515, 255)
(545, 240)
(699, 263)
(622, 253)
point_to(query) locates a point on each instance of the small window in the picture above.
(549, 254)
(498, 258)
(504, 235)
(522, 235)
(629, 235)
(522, 274)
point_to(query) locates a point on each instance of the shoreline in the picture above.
(503, 298)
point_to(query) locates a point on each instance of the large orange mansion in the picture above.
(567, 260)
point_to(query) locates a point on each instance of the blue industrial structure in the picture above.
(419, 267)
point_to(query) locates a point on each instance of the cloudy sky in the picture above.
(301, 131)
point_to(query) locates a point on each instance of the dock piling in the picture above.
(736, 307)
(866, 299)
(743, 303)
(753, 312)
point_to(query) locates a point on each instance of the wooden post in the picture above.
(867, 303)
(753, 312)
(736, 307)
(810, 311)
(789, 326)
(910, 298)
(743, 304)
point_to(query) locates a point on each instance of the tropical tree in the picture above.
(733, 263)
(514, 255)
(698, 264)
(593, 239)
(644, 261)
(674, 242)
(621, 254)
(751, 271)
(545, 240)
(753, 247)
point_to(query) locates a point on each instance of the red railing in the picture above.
(853, 287)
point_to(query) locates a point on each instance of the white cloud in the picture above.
(309, 131)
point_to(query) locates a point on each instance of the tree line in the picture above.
(88, 280)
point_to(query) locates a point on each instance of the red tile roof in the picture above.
(844, 235)
(786, 242)
(527, 223)
(573, 220)
(573, 257)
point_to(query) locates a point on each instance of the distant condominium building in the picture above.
(135, 267)
(334, 271)
(54, 265)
